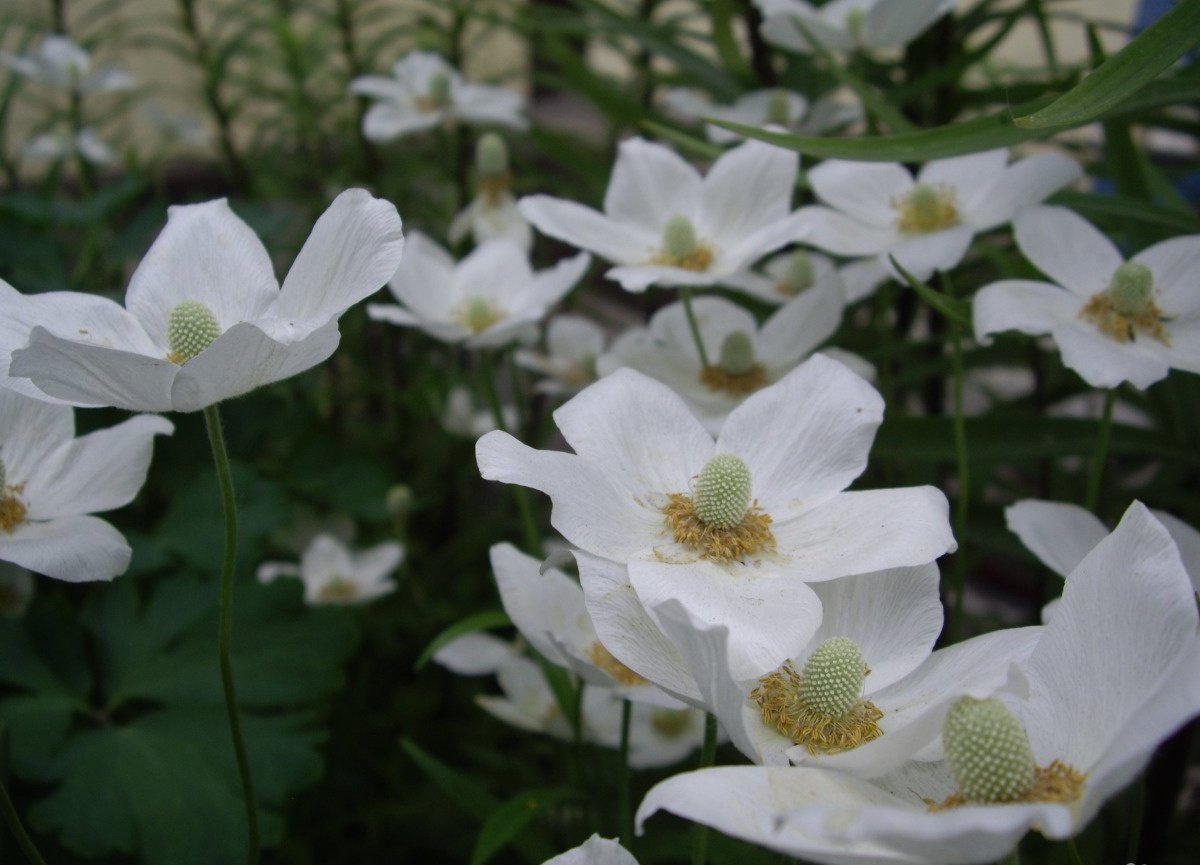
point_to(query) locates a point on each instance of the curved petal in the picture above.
(353, 250)
(764, 239)
(476, 654)
(1024, 183)
(616, 241)
(90, 375)
(96, 472)
(547, 608)
(895, 24)
(425, 280)
(770, 618)
(969, 177)
(1020, 304)
(325, 559)
(380, 87)
(595, 851)
(551, 285)
(861, 278)
(1176, 267)
(806, 437)
(801, 324)
(76, 549)
(864, 531)
(204, 254)
(862, 190)
(269, 572)
(375, 563)
(834, 231)
(30, 431)
(1101, 361)
(385, 121)
(393, 314)
(1188, 541)
(747, 188)
(923, 255)
(1067, 248)
(650, 183)
(484, 103)
(1059, 534)
(639, 277)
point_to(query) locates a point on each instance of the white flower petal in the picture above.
(821, 412)
(485, 104)
(374, 564)
(476, 654)
(748, 188)
(924, 254)
(895, 23)
(968, 177)
(861, 278)
(1101, 361)
(542, 606)
(1188, 541)
(801, 324)
(863, 190)
(379, 87)
(76, 549)
(1176, 267)
(1024, 183)
(615, 241)
(639, 277)
(1067, 248)
(269, 572)
(385, 121)
(1059, 534)
(650, 183)
(834, 231)
(595, 851)
(30, 431)
(551, 285)
(1020, 304)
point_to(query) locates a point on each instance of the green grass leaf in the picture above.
(507, 821)
(483, 621)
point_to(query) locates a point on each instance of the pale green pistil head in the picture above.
(832, 680)
(479, 314)
(679, 238)
(721, 494)
(988, 751)
(779, 111)
(800, 273)
(439, 90)
(926, 209)
(491, 156)
(737, 353)
(191, 328)
(1132, 289)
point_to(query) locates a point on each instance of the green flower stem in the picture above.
(623, 778)
(708, 756)
(1075, 857)
(14, 819)
(1013, 858)
(1101, 453)
(533, 538)
(216, 438)
(963, 500)
(685, 295)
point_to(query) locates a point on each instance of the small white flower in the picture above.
(492, 215)
(775, 109)
(734, 528)
(742, 357)
(664, 224)
(462, 417)
(334, 574)
(1112, 675)
(424, 92)
(61, 144)
(573, 343)
(787, 275)
(50, 482)
(489, 299)
(1113, 320)
(59, 62)
(927, 222)
(847, 25)
(177, 127)
(204, 317)
(594, 851)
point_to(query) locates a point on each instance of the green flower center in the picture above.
(191, 328)
(439, 90)
(800, 275)
(926, 209)
(779, 110)
(1132, 289)
(491, 156)
(988, 751)
(832, 680)
(679, 238)
(721, 495)
(737, 354)
(477, 314)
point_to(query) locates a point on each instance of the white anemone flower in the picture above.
(787, 275)
(61, 144)
(848, 25)
(595, 851)
(492, 215)
(1113, 674)
(775, 109)
(489, 299)
(927, 222)
(60, 63)
(573, 344)
(1113, 320)
(424, 91)
(742, 357)
(204, 318)
(664, 224)
(51, 482)
(734, 528)
(333, 574)
(1060, 534)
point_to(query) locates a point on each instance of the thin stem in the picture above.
(1136, 811)
(14, 824)
(1075, 857)
(216, 438)
(623, 778)
(962, 502)
(708, 756)
(1101, 452)
(533, 538)
(685, 295)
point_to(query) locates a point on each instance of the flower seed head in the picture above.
(737, 353)
(832, 679)
(779, 112)
(679, 238)
(479, 314)
(722, 491)
(926, 209)
(1132, 288)
(987, 751)
(439, 90)
(799, 275)
(491, 156)
(191, 328)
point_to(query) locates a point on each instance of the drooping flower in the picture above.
(664, 224)
(332, 573)
(847, 25)
(1113, 320)
(775, 109)
(492, 214)
(927, 222)
(60, 63)
(424, 91)
(489, 299)
(737, 527)
(573, 344)
(51, 483)
(742, 357)
(595, 851)
(1112, 675)
(205, 319)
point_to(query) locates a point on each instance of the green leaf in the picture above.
(507, 821)
(483, 621)
(466, 793)
(958, 311)
(1123, 74)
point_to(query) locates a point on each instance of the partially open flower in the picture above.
(332, 573)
